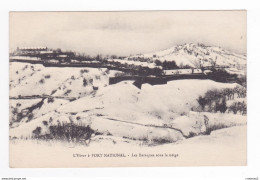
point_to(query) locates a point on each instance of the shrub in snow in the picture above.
(42, 81)
(45, 123)
(25, 67)
(50, 120)
(30, 117)
(67, 92)
(70, 132)
(191, 134)
(202, 102)
(90, 81)
(161, 140)
(47, 76)
(95, 88)
(72, 77)
(82, 71)
(222, 107)
(36, 132)
(85, 82)
(50, 100)
(238, 107)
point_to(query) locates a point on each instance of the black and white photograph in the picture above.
(127, 89)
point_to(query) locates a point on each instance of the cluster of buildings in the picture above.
(32, 50)
(39, 53)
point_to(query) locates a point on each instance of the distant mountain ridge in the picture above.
(191, 54)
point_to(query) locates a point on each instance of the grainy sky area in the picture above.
(125, 33)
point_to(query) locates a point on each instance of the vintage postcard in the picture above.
(128, 89)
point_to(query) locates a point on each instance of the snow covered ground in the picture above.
(223, 147)
(151, 113)
(123, 117)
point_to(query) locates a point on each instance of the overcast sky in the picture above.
(124, 33)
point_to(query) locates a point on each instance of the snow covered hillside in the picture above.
(28, 80)
(194, 54)
(46, 97)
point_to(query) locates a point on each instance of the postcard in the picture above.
(127, 89)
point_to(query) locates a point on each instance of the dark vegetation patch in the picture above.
(238, 107)
(216, 100)
(25, 67)
(50, 100)
(67, 92)
(45, 123)
(82, 71)
(95, 88)
(214, 127)
(53, 91)
(98, 133)
(47, 76)
(85, 82)
(109, 134)
(159, 141)
(42, 81)
(68, 132)
(36, 132)
(18, 115)
(191, 134)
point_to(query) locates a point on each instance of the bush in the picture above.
(25, 67)
(90, 81)
(161, 140)
(30, 117)
(222, 107)
(42, 81)
(37, 132)
(50, 99)
(70, 132)
(191, 134)
(47, 76)
(67, 92)
(238, 107)
(85, 82)
(45, 123)
(54, 91)
(82, 71)
(202, 102)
